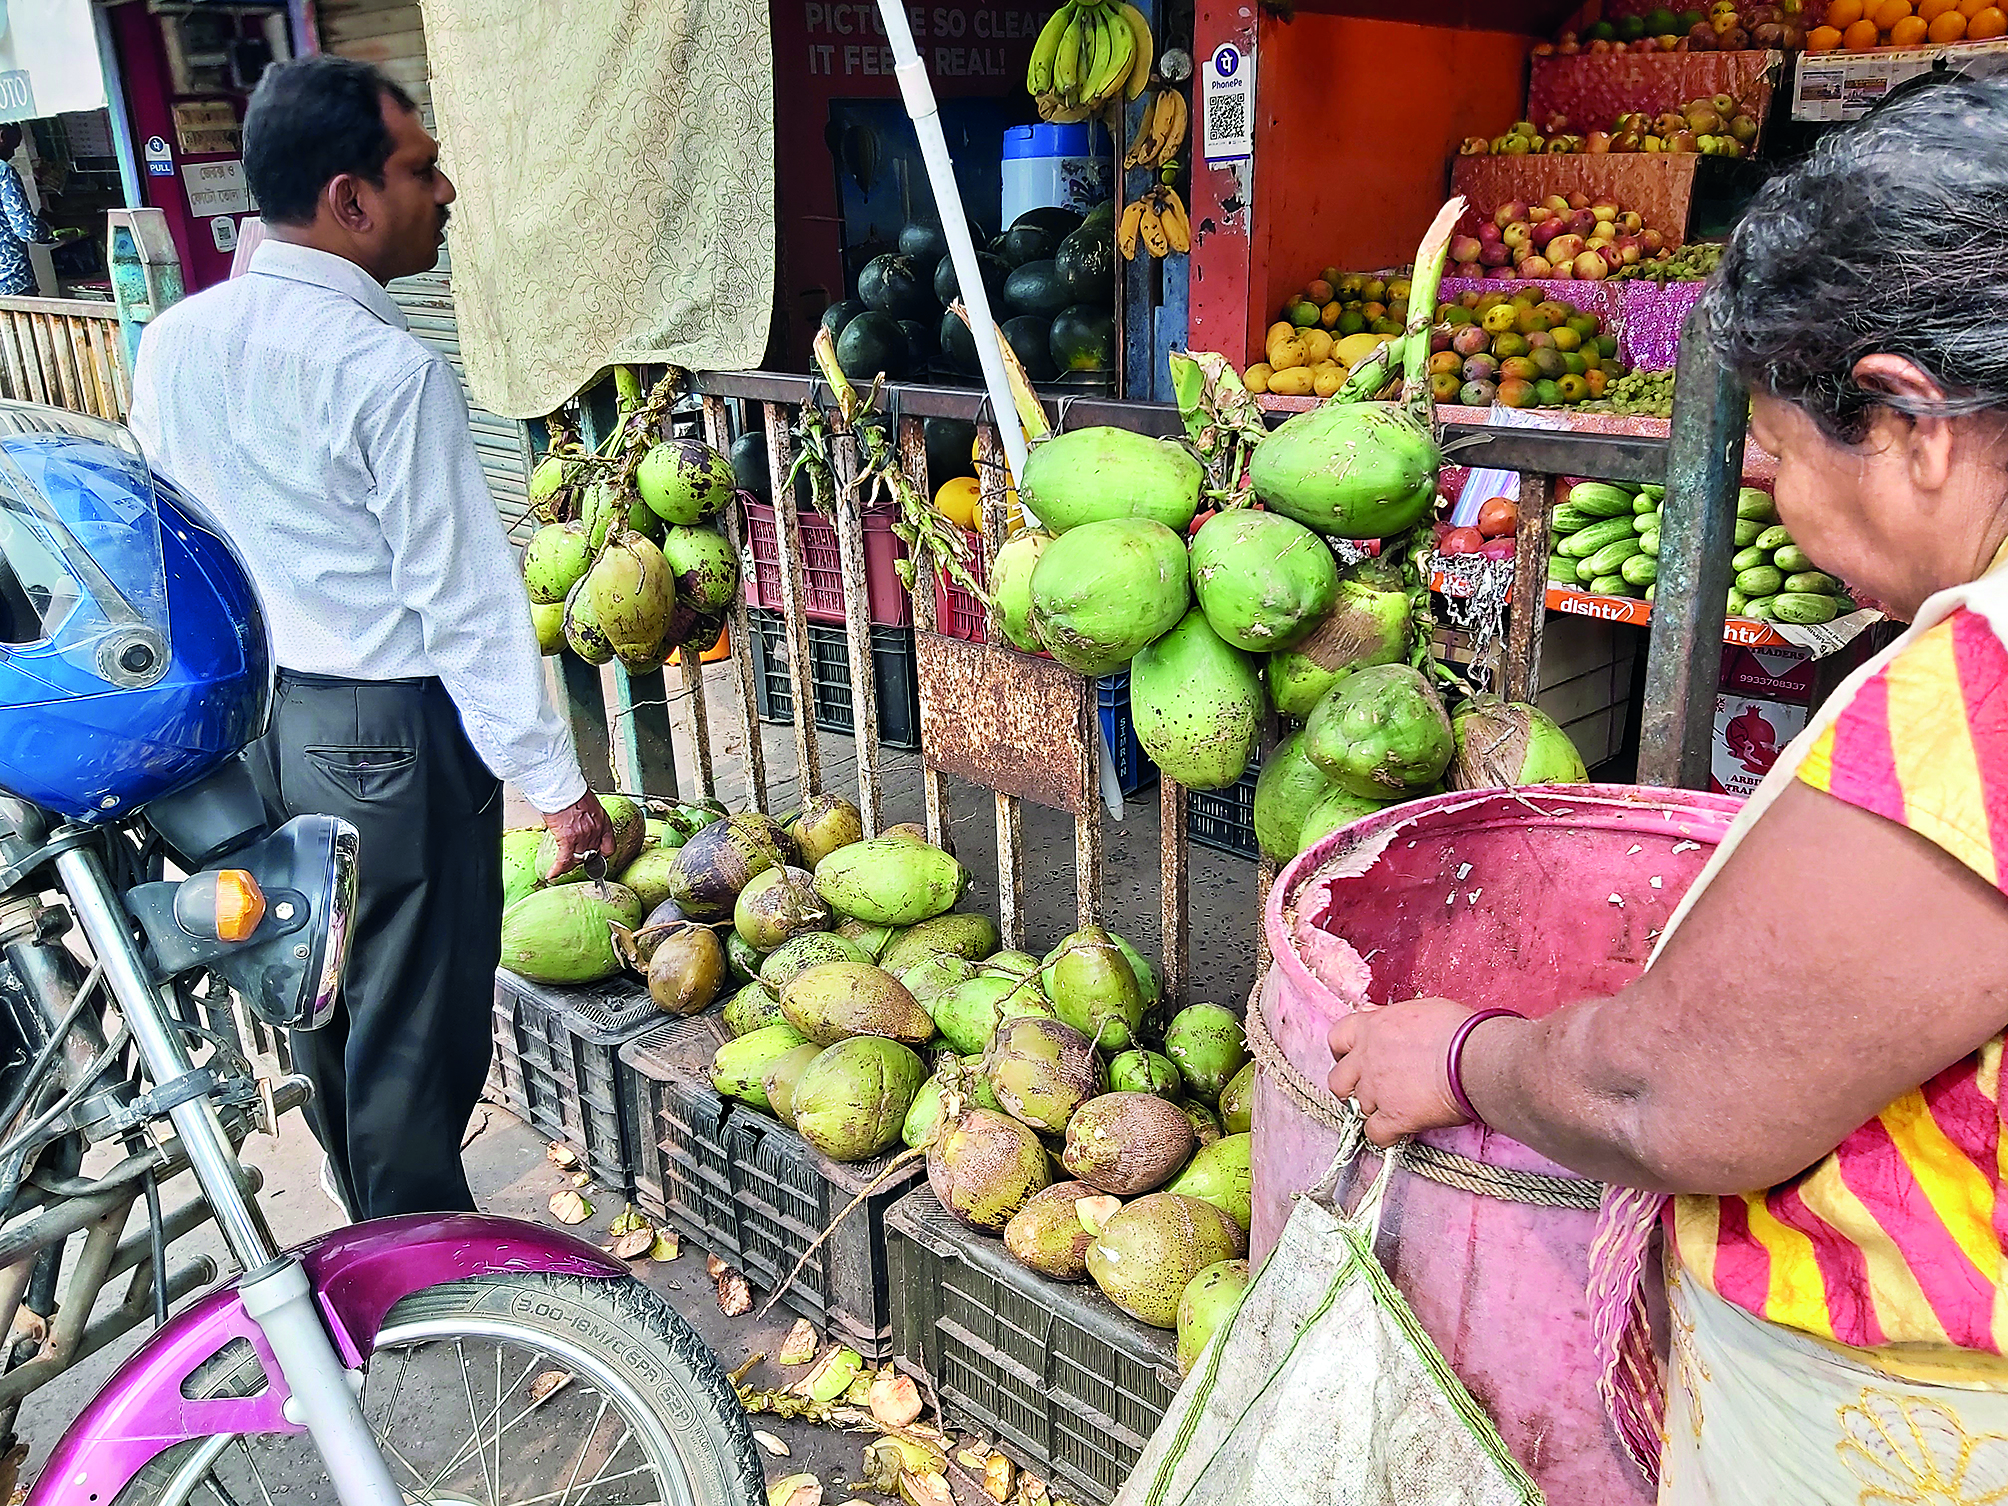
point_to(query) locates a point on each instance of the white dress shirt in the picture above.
(334, 449)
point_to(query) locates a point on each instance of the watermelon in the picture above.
(870, 344)
(994, 270)
(1051, 218)
(1036, 288)
(1024, 243)
(891, 284)
(958, 348)
(950, 444)
(838, 315)
(1086, 263)
(1030, 339)
(924, 243)
(1083, 338)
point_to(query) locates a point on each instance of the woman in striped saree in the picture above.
(1825, 1024)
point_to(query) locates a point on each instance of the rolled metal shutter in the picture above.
(391, 34)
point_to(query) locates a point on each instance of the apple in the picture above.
(1631, 221)
(1605, 209)
(1597, 143)
(1536, 266)
(1488, 234)
(1555, 204)
(1591, 267)
(1743, 128)
(1651, 242)
(1725, 104)
(1578, 201)
(1495, 255)
(1465, 248)
(1582, 222)
(1519, 233)
(1539, 215)
(1565, 248)
(1628, 255)
(1563, 273)
(1546, 231)
(1652, 145)
(1507, 213)
(1475, 146)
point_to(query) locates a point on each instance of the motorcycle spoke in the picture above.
(602, 1478)
(584, 1444)
(474, 1435)
(257, 1475)
(529, 1371)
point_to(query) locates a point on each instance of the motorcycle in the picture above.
(149, 917)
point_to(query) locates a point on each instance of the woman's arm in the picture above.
(1837, 962)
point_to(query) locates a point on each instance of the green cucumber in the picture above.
(1792, 559)
(1601, 499)
(1650, 544)
(1750, 559)
(1610, 585)
(1640, 570)
(1775, 537)
(1805, 607)
(1562, 570)
(1649, 590)
(1762, 608)
(1739, 604)
(1645, 522)
(1611, 557)
(1747, 530)
(1568, 518)
(1765, 580)
(1654, 491)
(1585, 542)
(1752, 503)
(1644, 502)
(1812, 583)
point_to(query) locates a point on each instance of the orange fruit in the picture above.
(1948, 27)
(1989, 24)
(1844, 13)
(1972, 8)
(1826, 39)
(1908, 32)
(1862, 36)
(1889, 12)
(1931, 10)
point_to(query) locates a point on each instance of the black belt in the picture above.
(344, 682)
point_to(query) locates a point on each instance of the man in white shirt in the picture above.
(335, 452)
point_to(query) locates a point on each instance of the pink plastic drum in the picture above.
(1527, 899)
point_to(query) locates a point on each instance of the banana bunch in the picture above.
(1090, 55)
(1158, 222)
(1161, 132)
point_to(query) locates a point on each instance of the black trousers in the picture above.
(399, 1067)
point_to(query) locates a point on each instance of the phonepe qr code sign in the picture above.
(1227, 101)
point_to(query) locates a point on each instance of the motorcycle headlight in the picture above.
(275, 925)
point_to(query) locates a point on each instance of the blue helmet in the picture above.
(134, 658)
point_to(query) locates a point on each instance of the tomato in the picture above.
(1498, 517)
(1461, 541)
(1498, 549)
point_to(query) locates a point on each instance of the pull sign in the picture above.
(1227, 97)
(159, 158)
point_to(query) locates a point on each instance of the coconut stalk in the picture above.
(1222, 419)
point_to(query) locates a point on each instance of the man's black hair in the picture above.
(310, 121)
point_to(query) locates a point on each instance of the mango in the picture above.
(1237, 1102)
(1207, 1044)
(836, 1000)
(1350, 471)
(891, 881)
(1052, 1232)
(1041, 1071)
(792, 958)
(1337, 808)
(777, 906)
(1381, 733)
(972, 937)
(753, 1008)
(1208, 1301)
(1219, 1175)
(519, 863)
(565, 935)
(1370, 623)
(1152, 1248)
(967, 1014)
(739, 1067)
(1127, 1143)
(852, 1099)
(824, 824)
(686, 971)
(1198, 705)
(1263, 580)
(1094, 989)
(1104, 591)
(1285, 791)
(781, 1076)
(1011, 585)
(985, 1167)
(1094, 475)
(1145, 1072)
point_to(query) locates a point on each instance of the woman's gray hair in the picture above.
(1888, 239)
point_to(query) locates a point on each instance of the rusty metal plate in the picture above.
(1004, 720)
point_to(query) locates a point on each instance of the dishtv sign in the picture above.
(49, 60)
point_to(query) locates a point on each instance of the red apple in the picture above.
(1465, 248)
(1519, 233)
(1495, 255)
(1540, 214)
(1546, 231)
(1591, 267)
(1536, 267)
(1565, 248)
(1578, 201)
(1651, 242)
(1488, 234)
(1507, 213)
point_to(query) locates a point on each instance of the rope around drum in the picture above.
(1441, 1166)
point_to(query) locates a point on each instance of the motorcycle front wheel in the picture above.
(530, 1390)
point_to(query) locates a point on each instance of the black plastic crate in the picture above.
(1134, 770)
(557, 1065)
(753, 1192)
(894, 668)
(1225, 819)
(1055, 1372)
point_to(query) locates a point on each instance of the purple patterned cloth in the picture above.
(1645, 316)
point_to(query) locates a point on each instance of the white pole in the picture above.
(920, 105)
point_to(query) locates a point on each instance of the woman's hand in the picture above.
(1391, 1062)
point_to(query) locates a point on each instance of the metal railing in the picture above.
(1025, 728)
(65, 352)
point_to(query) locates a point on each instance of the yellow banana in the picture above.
(1114, 76)
(1067, 58)
(1172, 137)
(1094, 78)
(1164, 117)
(1134, 157)
(1177, 225)
(1039, 73)
(1151, 228)
(1143, 49)
(1126, 232)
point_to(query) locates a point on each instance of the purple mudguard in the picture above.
(359, 1274)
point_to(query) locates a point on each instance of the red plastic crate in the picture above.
(957, 614)
(822, 572)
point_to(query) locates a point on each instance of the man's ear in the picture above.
(344, 200)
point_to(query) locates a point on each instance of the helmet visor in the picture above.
(80, 559)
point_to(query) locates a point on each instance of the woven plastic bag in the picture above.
(1323, 1390)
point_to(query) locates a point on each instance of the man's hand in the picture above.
(580, 828)
(1390, 1061)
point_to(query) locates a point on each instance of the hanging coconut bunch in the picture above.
(630, 562)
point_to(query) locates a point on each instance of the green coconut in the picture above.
(1145, 1072)
(554, 560)
(1381, 733)
(1264, 581)
(1208, 1301)
(1011, 585)
(632, 593)
(1094, 989)
(1336, 809)
(1370, 623)
(968, 1014)
(824, 824)
(1094, 475)
(703, 565)
(852, 1100)
(548, 622)
(1208, 1046)
(565, 935)
(1103, 591)
(1146, 1254)
(1285, 791)
(1197, 704)
(1505, 744)
(583, 634)
(520, 873)
(684, 480)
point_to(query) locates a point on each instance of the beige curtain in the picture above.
(615, 161)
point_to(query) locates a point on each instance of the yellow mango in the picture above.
(1317, 346)
(1285, 355)
(1354, 349)
(1278, 330)
(1256, 377)
(1296, 381)
(1327, 380)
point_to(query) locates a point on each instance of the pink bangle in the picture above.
(1453, 1057)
